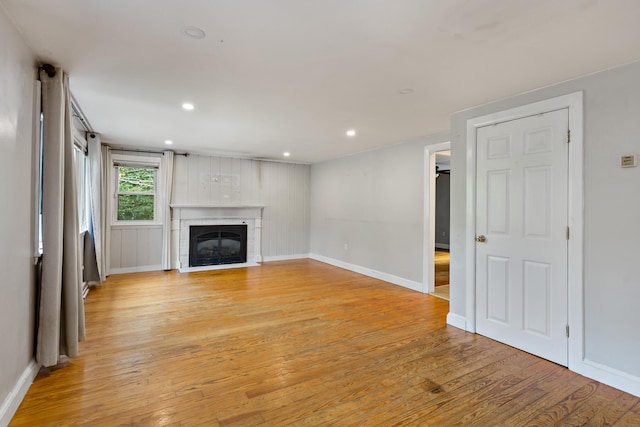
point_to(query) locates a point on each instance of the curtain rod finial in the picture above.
(49, 69)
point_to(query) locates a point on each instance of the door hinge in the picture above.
(568, 136)
(567, 233)
(567, 330)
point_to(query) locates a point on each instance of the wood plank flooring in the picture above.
(441, 261)
(299, 343)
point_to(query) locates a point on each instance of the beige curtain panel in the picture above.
(98, 155)
(61, 311)
(166, 184)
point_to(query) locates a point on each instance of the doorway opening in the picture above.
(436, 220)
(442, 219)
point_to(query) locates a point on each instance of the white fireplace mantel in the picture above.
(185, 215)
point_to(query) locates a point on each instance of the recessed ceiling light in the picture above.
(168, 142)
(286, 154)
(188, 106)
(351, 132)
(194, 32)
(407, 91)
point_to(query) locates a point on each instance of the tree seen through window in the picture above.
(136, 193)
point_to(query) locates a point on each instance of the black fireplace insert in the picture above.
(217, 244)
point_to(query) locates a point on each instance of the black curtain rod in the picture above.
(135, 150)
(78, 115)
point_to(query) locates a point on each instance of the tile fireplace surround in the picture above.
(184, 216)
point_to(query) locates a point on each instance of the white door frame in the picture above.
(574, 102)
(429, 238)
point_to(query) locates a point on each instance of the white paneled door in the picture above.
(521, 233)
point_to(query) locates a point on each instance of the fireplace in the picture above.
(186, 216)
(217, 244)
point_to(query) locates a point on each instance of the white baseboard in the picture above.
(369, 272)
(596, 371)
(14, 398)
(442, 246)
(285, 257)
(610, 376)
(138, 269)
(457, 321)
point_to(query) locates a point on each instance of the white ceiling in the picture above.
(294, 75)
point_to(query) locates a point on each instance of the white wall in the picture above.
(17, 288)
(612, 211)
(135, 248)
(282, 187)
(285, 191)
(372, 202)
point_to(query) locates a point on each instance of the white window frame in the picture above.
(37, 172)
(134, 161)
(81, 170)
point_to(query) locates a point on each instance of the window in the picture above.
(135, 193)
(134, 189)
(39, 164)
(82, 185)
(81, 172)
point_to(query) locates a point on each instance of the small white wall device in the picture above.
(628, 161)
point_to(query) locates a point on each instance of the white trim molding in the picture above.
(415, 286)
(284, 257)
(457, 321)
(15, 396)
(136, 269)
(613, 377)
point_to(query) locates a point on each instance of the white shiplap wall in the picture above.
(135, 248)
(283, 188)
(215, 180)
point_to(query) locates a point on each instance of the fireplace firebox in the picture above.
(217, 244)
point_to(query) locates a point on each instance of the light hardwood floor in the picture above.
(441, 274)
(441, 262)
(299, 343)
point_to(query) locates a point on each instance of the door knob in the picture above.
(481, 238)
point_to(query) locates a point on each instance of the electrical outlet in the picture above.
(346, 247)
